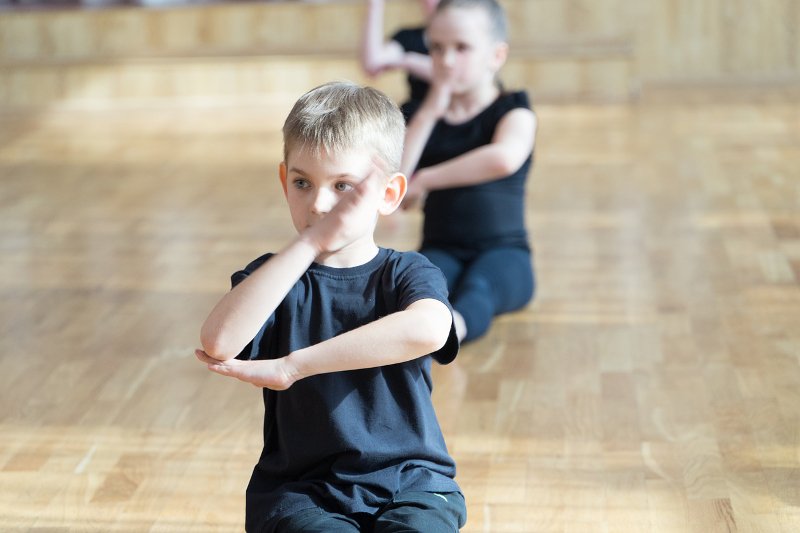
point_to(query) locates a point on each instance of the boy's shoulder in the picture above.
(407, 259)
(399, 263)
(239, 276)
(396, 265)
(406, 256)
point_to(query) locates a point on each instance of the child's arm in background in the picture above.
(378, 55)
(422, 328)
(419, 129)
(511, 145)
(238, 316)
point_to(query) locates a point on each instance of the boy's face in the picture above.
(315, 184)
(462, 48)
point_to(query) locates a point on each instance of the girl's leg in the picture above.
(495, 281)
(448, 263)
(423, 512)
(452, 267)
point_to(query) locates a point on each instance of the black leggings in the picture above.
(486, 283)
(423, 512)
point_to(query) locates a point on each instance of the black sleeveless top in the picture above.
(480, 216)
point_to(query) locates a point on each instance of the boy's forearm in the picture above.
(238, 316)
(419, 330)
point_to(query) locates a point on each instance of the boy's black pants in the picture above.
(423, 512)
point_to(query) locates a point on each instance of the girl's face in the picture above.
(429, 6)
(462, 48)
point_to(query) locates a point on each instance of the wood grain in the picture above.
(651, 387)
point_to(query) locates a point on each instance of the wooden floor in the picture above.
(653, 386)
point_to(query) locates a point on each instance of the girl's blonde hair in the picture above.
(342, 116)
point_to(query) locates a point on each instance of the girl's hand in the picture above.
(415, 194)
(265, 373)
(439, 94)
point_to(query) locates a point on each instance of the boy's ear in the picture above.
(282, 174)
(393, 194)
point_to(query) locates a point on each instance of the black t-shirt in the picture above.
(413, 40)
(348, 441)
(482, 216)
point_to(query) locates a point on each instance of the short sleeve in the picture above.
(240, 275)
(251, 351)
(418, 279)
(509, 102)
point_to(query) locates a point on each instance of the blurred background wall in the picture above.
(269, 52)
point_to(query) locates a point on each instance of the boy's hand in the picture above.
(351, 218)
(265, 373)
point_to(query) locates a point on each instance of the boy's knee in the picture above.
(315, 521)
(423, 512)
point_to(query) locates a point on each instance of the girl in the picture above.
(469, 148)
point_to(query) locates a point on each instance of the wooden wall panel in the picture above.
(678, 37)
(757, 36)
(560, 49)
(720, 41)
(536, 22)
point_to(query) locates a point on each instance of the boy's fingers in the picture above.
(361, 190)
(210, 361)
(379, 166)
(203, 356)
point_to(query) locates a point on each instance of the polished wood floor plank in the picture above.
(653, 385)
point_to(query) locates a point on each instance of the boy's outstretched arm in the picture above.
(422, 328)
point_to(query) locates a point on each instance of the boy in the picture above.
(338, 331)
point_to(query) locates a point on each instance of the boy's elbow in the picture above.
(215, 346)
(434, 330)
(439, 338)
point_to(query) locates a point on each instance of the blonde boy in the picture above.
(340, 334)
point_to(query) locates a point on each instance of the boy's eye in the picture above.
(343, 186)
(300, 183)
(461, 47)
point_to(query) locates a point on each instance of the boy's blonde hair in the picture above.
(497, 15)
(341, 116)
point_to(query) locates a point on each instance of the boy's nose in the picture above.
(324, 201)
